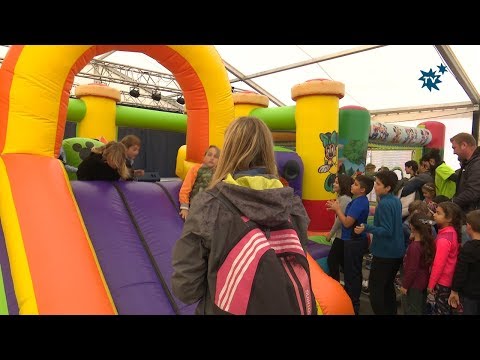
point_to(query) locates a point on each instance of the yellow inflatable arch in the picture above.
(51, 275)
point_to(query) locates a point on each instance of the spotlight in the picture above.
(134, 92)
(156, 96)
(181, 100)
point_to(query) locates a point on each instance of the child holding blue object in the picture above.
(388, 245)
(355, 246)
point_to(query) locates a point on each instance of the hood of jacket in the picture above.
(262, 198)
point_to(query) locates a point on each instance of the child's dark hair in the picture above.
(131, 140)
(418, 206)
(413, 164)
(388, 178)
(345, 184)
(473, 218)
(365, 182)
(455, 213)
(423, 226)
(433, 154)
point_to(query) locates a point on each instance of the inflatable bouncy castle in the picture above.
(71, 247)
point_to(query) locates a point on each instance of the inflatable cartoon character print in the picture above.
(329, 141)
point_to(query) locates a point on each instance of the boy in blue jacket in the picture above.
(388, 245)
(355, 246)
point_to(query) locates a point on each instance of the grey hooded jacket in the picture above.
(210, 228)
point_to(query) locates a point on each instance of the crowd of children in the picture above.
(422, 244)
(438, 275)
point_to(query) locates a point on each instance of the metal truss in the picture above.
(106, 71)
(457, 70)
(148, 82)
(233, 70)
(144, 101)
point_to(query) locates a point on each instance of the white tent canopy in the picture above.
(383, 79)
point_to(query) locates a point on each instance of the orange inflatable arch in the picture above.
(51, 275)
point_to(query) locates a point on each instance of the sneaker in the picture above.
(368, 261)
(398, 282)
(365, 290)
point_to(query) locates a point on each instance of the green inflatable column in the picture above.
(354, 131)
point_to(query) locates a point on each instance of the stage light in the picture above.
(156, 96)
(181, 100)
(134, 92)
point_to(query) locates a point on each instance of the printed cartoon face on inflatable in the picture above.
(76, 150)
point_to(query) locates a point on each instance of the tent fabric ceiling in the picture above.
(384, 77)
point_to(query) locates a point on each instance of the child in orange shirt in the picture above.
(197, 179)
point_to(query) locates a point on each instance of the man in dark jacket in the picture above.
(467, 195)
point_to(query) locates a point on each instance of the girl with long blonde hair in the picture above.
(106, 162)
(248, 145)
(245, 194)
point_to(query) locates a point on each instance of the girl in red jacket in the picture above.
(449, 219)
(416, 265)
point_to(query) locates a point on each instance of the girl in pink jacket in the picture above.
(449, 221)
